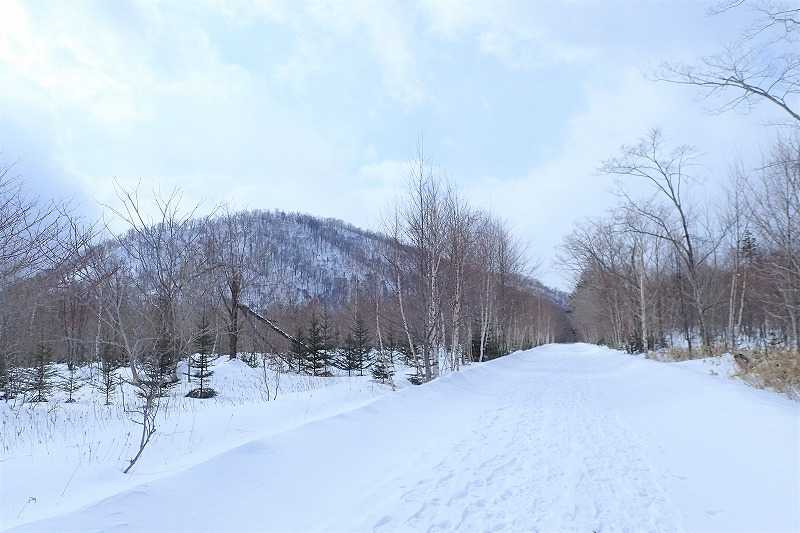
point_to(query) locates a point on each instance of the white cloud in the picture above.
(310, 105)
(383, 30)
(518, 34)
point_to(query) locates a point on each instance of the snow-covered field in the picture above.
(559, 438)
(58, 457)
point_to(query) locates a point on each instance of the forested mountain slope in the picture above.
(306, 257)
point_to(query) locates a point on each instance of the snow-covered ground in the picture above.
(559, 438)
(56, 457)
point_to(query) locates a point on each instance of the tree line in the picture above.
(671, 268)
(666, 271)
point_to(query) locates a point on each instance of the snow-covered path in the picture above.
(560, 438)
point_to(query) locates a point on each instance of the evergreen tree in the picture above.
(349, 360)
(404, 351)
(202, 361)
(317, 344)
(165, 356)
(4, 375)
(40, 380)
(328, 338)
(748, 246)
(72, 382)
(417, 378)
(361, 347)
(108, 380)
(11, 377)
(382, 369)
(298, 351)
(391, 346)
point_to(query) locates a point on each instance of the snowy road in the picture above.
(560, 438)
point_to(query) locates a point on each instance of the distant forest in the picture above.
(672, 270)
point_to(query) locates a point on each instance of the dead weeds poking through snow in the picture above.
(777, 370)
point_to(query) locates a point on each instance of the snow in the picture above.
(57, 457)
(559, 438)
(723, 365)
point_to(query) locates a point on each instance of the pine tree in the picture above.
(202, 361)
(165, 355)
(4, 375)
(298, 351)
(382, 369)
(72, 382)
(107, 382)
(328, 337)
(316, 342)
(390, 345)
(40, 380)
(404, 350)
(11, 377)
(361, 347)
(748, 246)
(417, 378)
(349, 360)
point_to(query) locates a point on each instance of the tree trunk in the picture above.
(643, 301)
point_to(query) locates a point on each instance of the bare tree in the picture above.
(740, 252)
(667, 214)
(145, 413)
(231, 247)
(425, 231)
(496, 261)
(774, 210)
(597, 253)
(164, 250)
(395, 255)
(461, 222)
(29, 245)
(762, 65)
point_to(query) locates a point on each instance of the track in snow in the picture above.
(561, 438)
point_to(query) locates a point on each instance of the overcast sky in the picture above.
(317, 106)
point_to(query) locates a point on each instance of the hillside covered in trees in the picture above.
(444, 285)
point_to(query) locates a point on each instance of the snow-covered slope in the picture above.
(559, 438)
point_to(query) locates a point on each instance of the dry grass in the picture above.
(779, 370)
(675, 354)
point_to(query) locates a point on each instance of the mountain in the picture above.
(306, 257)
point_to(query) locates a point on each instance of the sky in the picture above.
(317, 106)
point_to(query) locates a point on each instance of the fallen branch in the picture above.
(275, 327)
